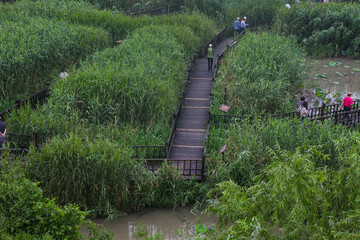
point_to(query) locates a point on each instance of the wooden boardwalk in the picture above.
(192, 127)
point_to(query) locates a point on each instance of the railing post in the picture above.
(17, 103)
(34, 138)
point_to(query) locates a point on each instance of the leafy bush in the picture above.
(262, 74)
(24, 211)
(323, 29)
(293, 199)
(248, 144)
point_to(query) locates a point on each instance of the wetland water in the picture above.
(335, 74)
(166, 221)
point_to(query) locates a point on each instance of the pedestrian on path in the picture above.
(243, 26)
(346, 103)
(2, 135)
(210, 57)
(63, 74)
(237, 26)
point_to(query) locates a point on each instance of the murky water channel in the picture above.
(336, 74)
(166, 221)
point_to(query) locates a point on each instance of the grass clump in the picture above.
(262, 75)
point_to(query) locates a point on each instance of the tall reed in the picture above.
(262, 74)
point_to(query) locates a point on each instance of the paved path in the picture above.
(191, 132)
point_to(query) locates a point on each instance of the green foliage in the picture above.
(99, 175)
(262, 74)
(323, 29)
(247, 145)
(135, 82)
(225, 12)
(118, 25)
(102, 177)
(26, 214)
(170, 189)
(33, 47)
(293, 199)
(96, 234)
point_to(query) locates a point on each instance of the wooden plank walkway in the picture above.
(191, 132)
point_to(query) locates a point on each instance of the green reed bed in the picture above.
(324, 29)
(248, 146)
(226, 11)
(138, 82)
(119, 97)
(32, 48)
(118, 25)
(293, 198)
(101, 177)
(262, 73)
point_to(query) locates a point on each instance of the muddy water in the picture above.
(337, 74)
(166, 221)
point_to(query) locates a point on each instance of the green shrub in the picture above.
(26, 214)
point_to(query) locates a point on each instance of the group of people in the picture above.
(303, 106)
(240, 27)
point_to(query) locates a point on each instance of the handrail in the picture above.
(213, 41)
(324, 112)
(33, 100)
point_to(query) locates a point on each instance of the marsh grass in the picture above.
(248, 144)
(323, 29)
(262, 74)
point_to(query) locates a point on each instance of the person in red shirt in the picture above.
(347, 102)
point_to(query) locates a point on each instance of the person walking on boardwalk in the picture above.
(210, 57)
(347, 102)
(2, 134)
(237, 26)
(243, 26)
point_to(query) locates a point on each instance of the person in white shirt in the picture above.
(64, 74)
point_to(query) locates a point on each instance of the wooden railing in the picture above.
(149, 151)
(33, 100)
(20, 143)
(213, 41)
(157, 10)
(319, 113)
(189, 167)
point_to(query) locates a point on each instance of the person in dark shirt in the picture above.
(2, 134)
